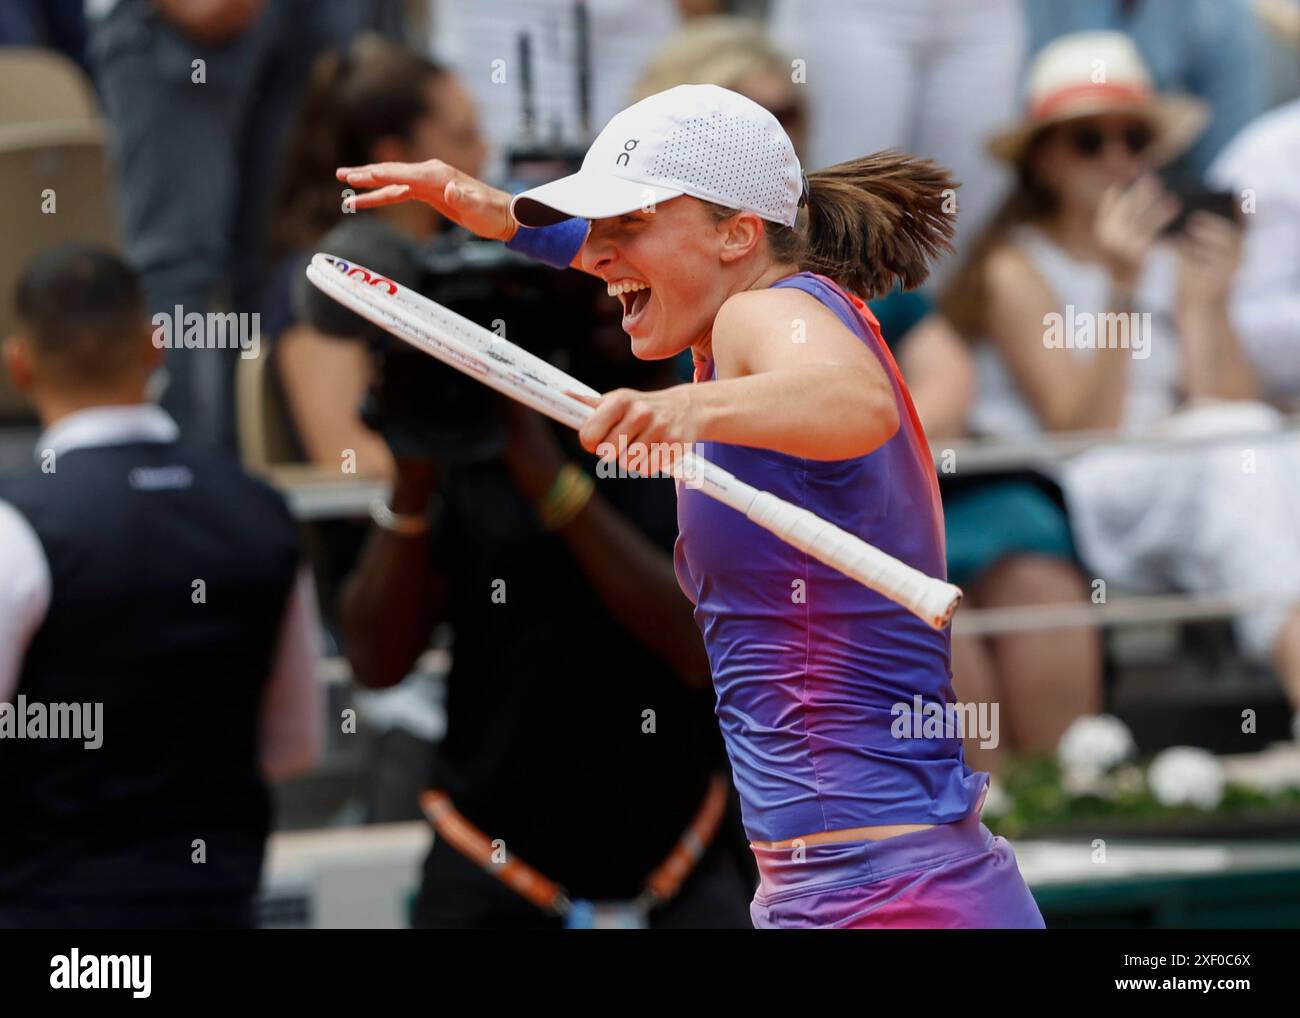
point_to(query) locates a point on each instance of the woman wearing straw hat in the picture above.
(693, 207)
(1101, 312)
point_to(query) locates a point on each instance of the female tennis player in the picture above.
(860, 808)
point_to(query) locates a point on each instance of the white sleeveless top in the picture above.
(1082, 288)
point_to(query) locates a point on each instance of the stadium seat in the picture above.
(40, 85)
(265, 439)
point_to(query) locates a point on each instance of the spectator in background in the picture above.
(1211, 49)
(371, 101)
(930, 77)
(200, 95)
(158, 584)
(1261, 164)
(1082, 238)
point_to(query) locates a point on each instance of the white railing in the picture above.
(1043, 452)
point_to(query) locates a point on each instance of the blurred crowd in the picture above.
(1126, 265)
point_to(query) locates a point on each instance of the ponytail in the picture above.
(878, 220)
(869, 223)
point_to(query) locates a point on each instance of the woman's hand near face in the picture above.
(466, 200)
(1128, 222)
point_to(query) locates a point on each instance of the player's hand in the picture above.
(627, 422)
(466, 200)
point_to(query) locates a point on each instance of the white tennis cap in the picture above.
(701, 140)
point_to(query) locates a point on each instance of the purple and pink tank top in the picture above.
(809, 666)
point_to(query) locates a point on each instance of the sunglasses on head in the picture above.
(1088, 140)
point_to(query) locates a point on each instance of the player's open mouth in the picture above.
(635, 296)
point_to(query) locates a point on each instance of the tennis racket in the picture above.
(542, 386)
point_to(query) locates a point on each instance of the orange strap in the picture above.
(549, 896)
(477, 847)
(669, 876)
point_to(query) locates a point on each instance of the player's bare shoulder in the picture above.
(770, 307)
(772, 311)
(782, 318)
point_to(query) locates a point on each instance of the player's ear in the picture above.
(740, 234)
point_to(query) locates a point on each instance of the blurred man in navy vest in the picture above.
(157, 643)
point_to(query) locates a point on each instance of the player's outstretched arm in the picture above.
(478, 207)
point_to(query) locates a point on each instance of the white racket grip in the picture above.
(932, 600)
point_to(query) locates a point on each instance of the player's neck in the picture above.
(760, 279)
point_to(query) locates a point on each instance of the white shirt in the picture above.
(1265, 309)
(292, 723)
(1001, 410)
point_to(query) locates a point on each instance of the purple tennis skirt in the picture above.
(953, 876)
